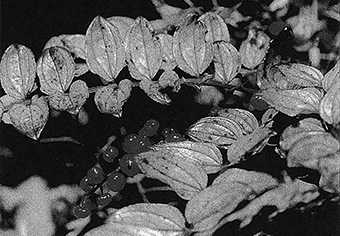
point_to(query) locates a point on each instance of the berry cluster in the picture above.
(100, 188)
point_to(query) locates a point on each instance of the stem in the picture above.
(60, 139)
(141, 190)
(190, 3)
(160, 188)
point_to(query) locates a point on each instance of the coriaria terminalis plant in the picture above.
(252, 72)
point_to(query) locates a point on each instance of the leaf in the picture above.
(186, 178)
(17, 71)
(209, 206)
(331, 78)
(217, 29)
(244, 118)
(330, 105)
(306, 151)
(293, 102)
(206, 155)
(30, 119)
(257, 181)
(110, 99)
(253, 49)
(227, 62)
(306, 127)
(249, 142)
(170, 78)
(56, 70)
(166, 41)
(329, 168)
(151, 88)
(122, 23)
(193, 54)
(72, 101)
(143, 51)
(291, 76)
(74, 43)
(156, 216)
(105, 49)
(220, 131)
(285, 196)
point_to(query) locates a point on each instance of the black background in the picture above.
(32, 23)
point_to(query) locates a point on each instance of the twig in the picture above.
(60, 139)
(160, 188)
(141, 190)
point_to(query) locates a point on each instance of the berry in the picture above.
(110, 154)
(81, 212)
(104, 199)
(258, 103)
(175, 137)
(278, 27)
(150, 128)
(167, 131)
(116, 181)
(134, 143)
(128, 165)
(85, 184)
(88, 204)
(96, 174)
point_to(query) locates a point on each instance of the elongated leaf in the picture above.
(291, 76)
(309, 149)
(186, 178)
(56, 70)
(257, 181)
(330, 105)
(105, 49)
(209, 206)
(306, 127)
(17, 71)
(75, 43)
(166, 41)
(248, 142)
(193, 54)
(219, 131)
(143, 51)
(30, 119)
(293, 102)
(156, 216)
(216, 27)
(331, 78)
(227, 62)
(206, 155)
(151, 88)
(122, 23)
(244, 118)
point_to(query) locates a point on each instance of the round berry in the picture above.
(115, 181)
(258, 103)
(104, 199)
(277, 27)
(110, 153)
(81, 212)
(150, 128)
(88, 204)
(128, 165)
(134, 143)
(167, 131)
(86, 184)
(175, 137)
(96, 174)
